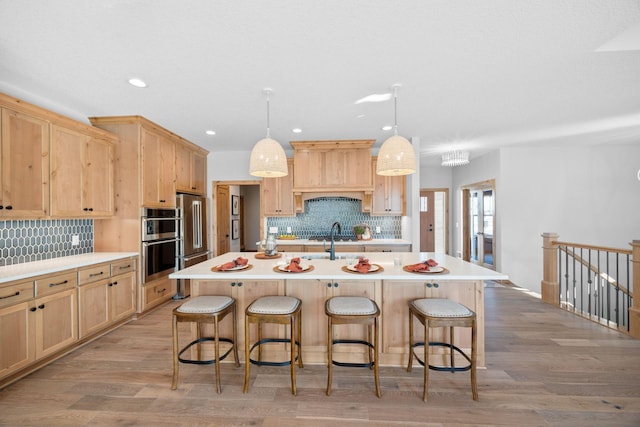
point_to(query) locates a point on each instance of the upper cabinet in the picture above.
(158, 170)
(82, 174)
(388, 193)
(24, 158)
(321, 166)
(277, 194)
(191, 169)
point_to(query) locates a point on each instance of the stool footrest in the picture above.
(353, 364)
(204, 362)
(443, 368)
(267, 363)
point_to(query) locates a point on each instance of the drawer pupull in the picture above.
(122, 267)
(51, 285)
(161, 291)
(11, 296)
(96, 274)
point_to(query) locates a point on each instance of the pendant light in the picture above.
(268, 159)
(396, 156)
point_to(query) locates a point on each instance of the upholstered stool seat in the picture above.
(441, 312)
(279, 310)
(201, 310)
(345, 310)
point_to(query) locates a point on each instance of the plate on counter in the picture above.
(262, 255)
(432, 270)
(229, 270)
(284, 269)
(373, 269)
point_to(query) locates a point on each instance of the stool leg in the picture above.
(474, 339)
(410, 363)
(174, 381)
(259, 339)
(329, 354)
(426, 361)
(376, 353)
(299, 330)
(370, 340)
(293, 333)
(216, 347)
(246, 354)
(235, 336)
(451, 352)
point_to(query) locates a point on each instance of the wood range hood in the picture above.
(332, 168)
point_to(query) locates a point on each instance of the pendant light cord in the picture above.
(395, 111)
(268, 122)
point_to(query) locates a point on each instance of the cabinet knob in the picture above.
(32, 309)
(239, 284)
(335, 285)
(8, 207)
(233, 284)
(41, 306)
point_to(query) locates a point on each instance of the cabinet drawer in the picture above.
(52, 284)
(91, 274)
(16, 293)
(153, 293)
(124, 266)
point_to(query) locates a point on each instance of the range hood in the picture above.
(363, 196)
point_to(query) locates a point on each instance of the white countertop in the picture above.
(26, 270)
(285, 242)
(324, 269)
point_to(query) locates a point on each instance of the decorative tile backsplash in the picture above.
(34, 240)
(320, 213)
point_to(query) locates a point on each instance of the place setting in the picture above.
(429, 266)
(294, 266)
(238, 264)
(362, 266)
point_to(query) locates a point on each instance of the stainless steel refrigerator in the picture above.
(193, 248)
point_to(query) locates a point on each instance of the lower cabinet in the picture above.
(49, 314)
(157, 292)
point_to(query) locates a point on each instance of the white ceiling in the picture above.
(475, 74)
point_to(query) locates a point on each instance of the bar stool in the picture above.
(440, 312)
(280, 310)
(204, 309)
(346, 310)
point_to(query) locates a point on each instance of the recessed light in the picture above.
(387, 127)
(296, 130)
(137, 82)
(376, 97)
(210, 132)
(359, 116)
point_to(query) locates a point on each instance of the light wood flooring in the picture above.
(544, 367)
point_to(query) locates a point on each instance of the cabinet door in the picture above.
(56, 322)
(395, 313)
(122, 296)
(183, 168)
(270, 196)
(198, 173)
(94, 310)
(360, 288)
(17, 327)
(98, 178)
(67, 159)
(167, 173)
(25, 166)
(388, 194)
(313, 293)
(158, 170)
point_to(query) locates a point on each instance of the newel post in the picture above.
(634, 311)
(549, 285)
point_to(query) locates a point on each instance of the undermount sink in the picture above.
(320, 256)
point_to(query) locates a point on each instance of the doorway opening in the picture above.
(434, 223)
(479, 213)
(236, 227)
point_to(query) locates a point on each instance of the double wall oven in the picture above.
(160, 242)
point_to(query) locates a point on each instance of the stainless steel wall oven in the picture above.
(160, 242)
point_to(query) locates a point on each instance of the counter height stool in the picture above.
(344, 310)
(204, 309)
(440, 312)
(280, 310)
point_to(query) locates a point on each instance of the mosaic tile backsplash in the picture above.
(320, 213)
(34, 240)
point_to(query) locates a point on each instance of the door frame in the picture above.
(214, 188)
(489, 184)
(446, 214)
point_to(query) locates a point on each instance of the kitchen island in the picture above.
(390, 286)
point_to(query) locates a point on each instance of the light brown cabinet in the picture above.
(332, 166)
(388, 194)
(277, 194)
(106, 295)
(82, 174)
(191, 170)
(158, 170)
(24, 156)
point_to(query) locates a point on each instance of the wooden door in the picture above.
(25, 166)
(167, 173)
(122, 296)
(94, 310)
(57, 322)
(98, 178)
(183, 168)
(395, 314)
(222, 224)
(198, 173)
(150, 168)
(67, 160)
(17, 328)
(427, 221)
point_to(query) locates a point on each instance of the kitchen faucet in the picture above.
(332, 249)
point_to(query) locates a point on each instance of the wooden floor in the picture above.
(544, 367)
